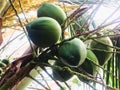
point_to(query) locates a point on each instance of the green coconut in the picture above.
(44, 31)
(60, 75)
(53, 11)
(89, 67)
(73, 52)
(101, 48)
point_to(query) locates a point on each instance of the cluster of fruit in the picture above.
(46, 31)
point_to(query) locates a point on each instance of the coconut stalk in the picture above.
(25, 81)
(18, 69)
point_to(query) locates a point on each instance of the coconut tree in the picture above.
(59, 42)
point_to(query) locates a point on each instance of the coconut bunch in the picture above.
(48, 31)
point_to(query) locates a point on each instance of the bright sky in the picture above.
(104, 12)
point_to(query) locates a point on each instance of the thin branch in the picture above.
(52, 78)
(22, 10)
(43, 79)
(37, 82)
(91, 16)
(22, 25)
